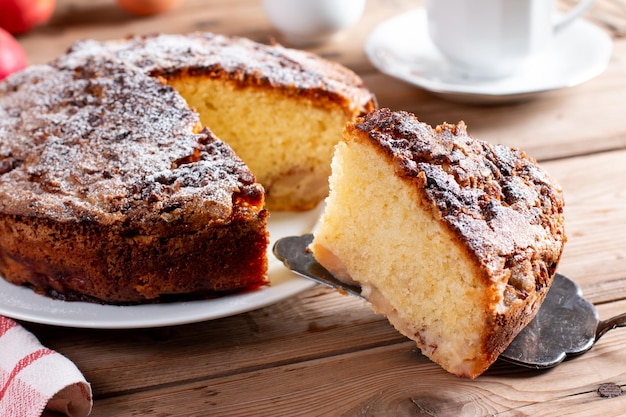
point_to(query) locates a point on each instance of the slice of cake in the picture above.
(455, 240)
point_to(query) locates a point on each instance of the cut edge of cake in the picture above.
(389, 225)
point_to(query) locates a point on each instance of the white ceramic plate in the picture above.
(401, 47)
(24, 304)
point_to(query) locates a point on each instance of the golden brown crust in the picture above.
(505, 209)
(293, 72)
(495, 203)
(96, 144)
(111, 264)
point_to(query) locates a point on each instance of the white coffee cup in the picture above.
(487, 39)
(306, 22)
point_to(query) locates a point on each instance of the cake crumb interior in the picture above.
(419, 279)
(272, 133)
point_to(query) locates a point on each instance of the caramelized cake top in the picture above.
(496, 200)
(244, 61)
(104, 142)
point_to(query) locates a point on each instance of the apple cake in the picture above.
(456, 241)
(114, 186)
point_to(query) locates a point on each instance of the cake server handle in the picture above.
(610, 324)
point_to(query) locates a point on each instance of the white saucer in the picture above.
(401, 47)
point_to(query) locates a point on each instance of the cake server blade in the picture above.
(294, 252)
(566, 324)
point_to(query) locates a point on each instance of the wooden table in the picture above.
(321, 353)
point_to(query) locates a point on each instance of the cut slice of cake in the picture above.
(455, 240)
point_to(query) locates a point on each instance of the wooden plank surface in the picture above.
(321, 353)
(392, 380)
(595, 209)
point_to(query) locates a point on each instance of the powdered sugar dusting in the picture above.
(103, 139)
(505, 208)
(96, 133)
(238, 57)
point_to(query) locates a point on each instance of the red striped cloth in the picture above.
(34, 378)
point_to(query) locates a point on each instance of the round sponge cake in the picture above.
(455, 240)
(111, 189)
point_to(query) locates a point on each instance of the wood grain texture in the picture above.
(595, 217)
(290, 331)
(390, 380)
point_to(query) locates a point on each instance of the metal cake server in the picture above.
(566, 324)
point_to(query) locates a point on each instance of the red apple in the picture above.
(147, 7)
(20, 16)
(12, 56)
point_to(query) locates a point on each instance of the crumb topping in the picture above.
(506, 208)
(98, 133)
(102, 140)
(241, 59)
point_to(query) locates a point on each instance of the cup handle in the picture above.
(572, 15)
